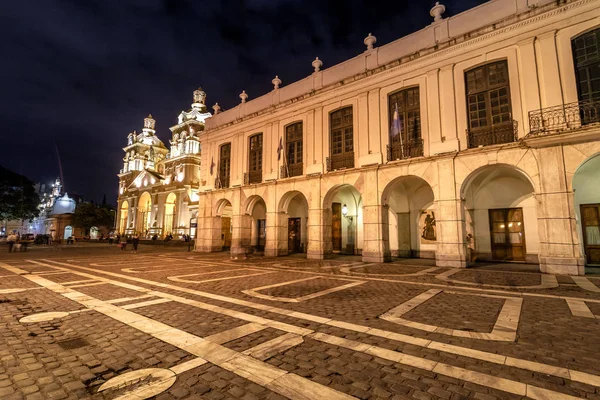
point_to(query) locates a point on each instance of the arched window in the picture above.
(488, 105)
(293, 155)
(586, 54)
(341, 140)
(255, 147)
(405, 125)
(224, 172)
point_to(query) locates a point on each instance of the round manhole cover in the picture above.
(46, 316)
(140, 384)
(7, 291)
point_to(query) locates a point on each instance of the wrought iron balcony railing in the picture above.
(495, 134)
(563, 118)
(407, 149)
(221, 182)
(340, 161)
(252, 177)
(287, 171)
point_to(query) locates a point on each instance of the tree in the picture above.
(18, 198)
(87, 215)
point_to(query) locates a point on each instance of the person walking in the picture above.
(123, 243)
(11, 240)
(135, 241)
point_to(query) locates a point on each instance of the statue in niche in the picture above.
(427, 225)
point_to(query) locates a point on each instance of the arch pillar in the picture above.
(241, 235)
(208, 239)
(375, 234)
(276, 244)
(451, 246)
(317, 229)
(559, 242)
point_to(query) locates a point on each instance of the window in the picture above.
(255, 159)
(586, 53)
(341, 140)
(405, 126)
(224, 166)
(293, 141)
(488, 105)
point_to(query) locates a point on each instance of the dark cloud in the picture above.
(82, 74)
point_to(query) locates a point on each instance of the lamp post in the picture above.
(114, 219)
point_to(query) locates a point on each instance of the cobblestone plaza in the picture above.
(102, 324)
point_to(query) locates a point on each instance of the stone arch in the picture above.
(170, 214)
(500, 214)
(255, 209)
(144, 210)
(408, 216)
(587, 208)
(343, 233)
(293, 222)
(224, 223)
(220, 206)
(123, 216)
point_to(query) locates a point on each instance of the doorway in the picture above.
(226, 233)
(507, 233)
(336, 226)
(261, 225)
(590, 223)
(294, 235)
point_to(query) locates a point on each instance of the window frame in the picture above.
(344, 158)
(255, 158)
(224, 180)
(294, 145)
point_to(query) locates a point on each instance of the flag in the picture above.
(279, 148)
(396, 128)
(212, 165)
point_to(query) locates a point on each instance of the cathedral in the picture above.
(474, 139)
(158, 186)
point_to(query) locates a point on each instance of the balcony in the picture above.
(565, 117)
(287, 171)
(221, 182)
(340, 161)
(495, 134)
(252, 177)
(407, 149)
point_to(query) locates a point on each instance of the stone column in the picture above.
(559, 244)
(316, 235)
(241, 235)
(451, 249)
(375, 228)
(209, 234)
(276, 235)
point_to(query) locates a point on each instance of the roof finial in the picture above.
(199, 96)
(149, 122)
(370, 41)
(217, 108)
(276, 82)
(243, 96)
(317, 64)
(437, 11)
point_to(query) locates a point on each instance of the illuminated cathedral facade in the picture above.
(158, 185)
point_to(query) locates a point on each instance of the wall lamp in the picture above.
(345, 212)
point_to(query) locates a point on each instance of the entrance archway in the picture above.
(68, 232)
(295, 206)
(143, 215)
(587, 209)
(343, 220)
(257, 209)
(123, 217)
(500, 215)
(170, 220)
(225, 211)
(410, 217)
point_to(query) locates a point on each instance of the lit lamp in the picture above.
(345, 212)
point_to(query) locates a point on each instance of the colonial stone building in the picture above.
(475, 138)
(158, 186)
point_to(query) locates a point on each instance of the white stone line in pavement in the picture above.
(44, 273)
(503, 384)
(145, 304)
(254, 291)
(124, 299)
(17, 290)
(188, 365)
(505, 328)
(275, 346)
(176, 279)
(562, 372)
(235, 333)
(87, 284)
(245, 366)
(281, 265)
(147, 269)
(75, 282)
(580, 309)
(547, 281)
(585, 284)
(348, 270)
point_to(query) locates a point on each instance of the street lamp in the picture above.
(114, 219)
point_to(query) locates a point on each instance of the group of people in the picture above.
(123, 240)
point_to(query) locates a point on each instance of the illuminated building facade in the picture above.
(158, 186)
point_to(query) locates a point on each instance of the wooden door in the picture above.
(294, 235)
(262, 234)
(590, 223)
(336, 226)
(226, 232)
(507, 233)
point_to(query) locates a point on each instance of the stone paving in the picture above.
(168, 324)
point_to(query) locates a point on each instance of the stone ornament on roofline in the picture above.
(317, 64)
(370, 41)
(216, 108)
(437, 11)
(243, 96)
(149, 122)
(276, 82)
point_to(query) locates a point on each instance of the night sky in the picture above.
(80, 75)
